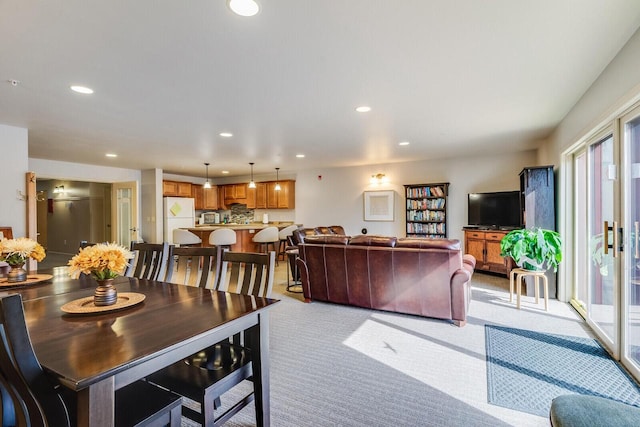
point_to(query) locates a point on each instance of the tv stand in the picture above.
(484, 245)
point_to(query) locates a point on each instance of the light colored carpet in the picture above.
(335, 365)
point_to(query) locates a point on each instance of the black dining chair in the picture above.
(151, 260)
(205, 376)
(30, 397)
(194, 266)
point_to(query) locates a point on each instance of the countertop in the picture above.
(250, 226)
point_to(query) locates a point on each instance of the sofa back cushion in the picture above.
(364, 240)
(328, 239)
(425, 243)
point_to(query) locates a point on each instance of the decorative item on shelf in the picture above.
(252, 183)
(15, 252)
(207, 184)
(533, 249)
(104, 262)
(277, 187)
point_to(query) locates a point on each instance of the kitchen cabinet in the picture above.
(484, 245)
(198, 195)
(206, 198)
(257, 197)
(176, 189)
(235, 193)
(283, 199)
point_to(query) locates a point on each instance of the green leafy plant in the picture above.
(532, 249)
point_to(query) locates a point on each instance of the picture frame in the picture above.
(379, 205)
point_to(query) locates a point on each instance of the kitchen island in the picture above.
(244, 233)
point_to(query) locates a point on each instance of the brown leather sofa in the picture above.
(424, 277)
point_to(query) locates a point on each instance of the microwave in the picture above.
(211, 218)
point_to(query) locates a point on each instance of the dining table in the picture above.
(95, 354)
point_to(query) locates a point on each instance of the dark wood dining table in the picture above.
(95, 355)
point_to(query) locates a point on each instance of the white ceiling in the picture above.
(453, 77)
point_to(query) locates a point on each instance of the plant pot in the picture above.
(17, 274)
(105, 294)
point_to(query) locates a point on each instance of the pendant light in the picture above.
(277, 187)
(252, 184)
(207, 184)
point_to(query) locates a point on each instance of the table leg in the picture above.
(518, 289)
(260, 360)
(546, 292)
(96, 404)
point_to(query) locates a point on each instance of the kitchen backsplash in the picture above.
(240, 214)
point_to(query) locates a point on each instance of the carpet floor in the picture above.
(526, 370)
(335, 365)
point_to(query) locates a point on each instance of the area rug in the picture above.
(526, 370)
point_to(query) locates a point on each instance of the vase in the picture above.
(105, 293)
(17, 273)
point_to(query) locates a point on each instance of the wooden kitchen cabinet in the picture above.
(484, 245)
(211, 198)
(258, 196)
(235, 193)
(176, 189)
(197, 192)
(283, 199)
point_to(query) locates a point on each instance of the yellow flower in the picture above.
(102, 261)
(16, 251)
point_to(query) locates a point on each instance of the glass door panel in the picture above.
(602, 306)
(631, 340)
(581, 289)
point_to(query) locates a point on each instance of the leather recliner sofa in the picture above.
(419, 276)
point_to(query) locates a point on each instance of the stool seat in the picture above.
(518, 274)
(265, 237)
(222, 237)
(185, 238)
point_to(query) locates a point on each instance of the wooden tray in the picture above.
(31, 279)
(86, 306)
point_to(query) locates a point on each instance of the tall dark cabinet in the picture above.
(537, 190)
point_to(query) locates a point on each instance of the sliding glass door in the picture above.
(630, 133)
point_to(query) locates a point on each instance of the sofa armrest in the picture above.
(469, 260)
(304, 278)
(460, 295)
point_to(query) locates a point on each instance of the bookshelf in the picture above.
(427, 210)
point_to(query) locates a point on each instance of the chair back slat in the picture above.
(194, 266)
(151, 260)
(247, 273)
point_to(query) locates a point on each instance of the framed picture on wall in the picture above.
(378, 205)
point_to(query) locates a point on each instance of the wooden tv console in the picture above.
(484, 245)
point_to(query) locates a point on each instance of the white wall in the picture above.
(15, 164)
(336, 198)
(151, 207)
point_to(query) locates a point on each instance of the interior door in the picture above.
(124, 213)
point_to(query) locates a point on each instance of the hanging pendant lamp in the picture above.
(252, 184)
(207, 184)
(277, 187)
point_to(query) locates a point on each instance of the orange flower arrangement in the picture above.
(16, 251)
(102, 261)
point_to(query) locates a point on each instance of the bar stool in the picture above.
(516, 276)
(223, 237)
(185, 238)
(284, 235)
(265, 237)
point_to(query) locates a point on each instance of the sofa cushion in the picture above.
(330, 239)
(426, 243)
(586, 411)
(363, 240)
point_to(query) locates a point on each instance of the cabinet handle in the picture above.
(615, 246)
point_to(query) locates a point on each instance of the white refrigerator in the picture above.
(179, 212)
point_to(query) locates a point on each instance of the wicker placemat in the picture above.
(31, 279)
(86, 306)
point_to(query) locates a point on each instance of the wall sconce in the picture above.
(58, 189)
(378, 178)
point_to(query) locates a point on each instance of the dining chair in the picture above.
(194, 267)
(205, 376)
(150, 261)
(32, 398)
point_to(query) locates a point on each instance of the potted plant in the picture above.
(532, 249)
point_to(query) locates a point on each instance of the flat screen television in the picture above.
(495, 210)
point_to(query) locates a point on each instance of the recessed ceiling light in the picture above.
(225, 172)
(111, 155)
(363, 109)
(404, 143)
(244, 7)
(82, 89)
(226, 134)
(299, 156)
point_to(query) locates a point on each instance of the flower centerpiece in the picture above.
(104, 262)
(15, 252)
